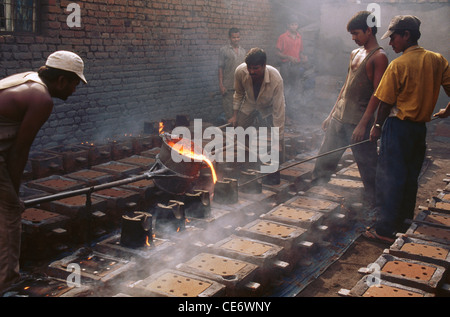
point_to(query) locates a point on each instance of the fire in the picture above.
(147, 243)
(189, 153)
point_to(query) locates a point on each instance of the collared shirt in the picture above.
(270, 99)
(290, 46)
(229, 59)
(411, 83)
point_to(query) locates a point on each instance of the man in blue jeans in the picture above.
(408, 93)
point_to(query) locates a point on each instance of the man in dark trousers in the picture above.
(293, 65)
(408, 93)
(25, 105)
(230, 57)
(352, 116)
(259, 96)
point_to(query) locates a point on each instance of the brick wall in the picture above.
(144, 60)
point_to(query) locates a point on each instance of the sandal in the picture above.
(372, 235)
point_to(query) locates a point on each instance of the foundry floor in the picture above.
(343, 274)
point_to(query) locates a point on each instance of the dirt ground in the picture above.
(343, 274)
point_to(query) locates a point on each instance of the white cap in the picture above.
(68, 61)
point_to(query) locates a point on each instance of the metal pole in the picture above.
(89, 190)
(306, 160)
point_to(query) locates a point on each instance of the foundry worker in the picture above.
(408, 93)
(25, 105)
(352, 116)
(230, 57)
(259, 95)
(289, 48)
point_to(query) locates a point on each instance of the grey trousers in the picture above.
(339, 135)
(10, 230)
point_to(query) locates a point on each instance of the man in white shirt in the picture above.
(258, 91)
(259, 95)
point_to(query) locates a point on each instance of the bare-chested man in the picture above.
(350, 119)
(25, 105)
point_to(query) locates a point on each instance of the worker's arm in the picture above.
(239, 95)
(383, 112)
(443, 113)
(222, 88)
(279, 109)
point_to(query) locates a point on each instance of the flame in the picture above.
(147, 242)
(190, 153)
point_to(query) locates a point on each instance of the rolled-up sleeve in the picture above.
(278, 111)
(239, 89)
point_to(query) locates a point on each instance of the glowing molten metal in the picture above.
(184, 148)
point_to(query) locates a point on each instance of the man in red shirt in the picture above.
(290, 49)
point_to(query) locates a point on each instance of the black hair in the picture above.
(292, 19)
(256, 56)
(52, 74)
(233, 30)
(414, 35)
(359, 22)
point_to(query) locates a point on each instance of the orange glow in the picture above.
(177, 146)
(147, 242)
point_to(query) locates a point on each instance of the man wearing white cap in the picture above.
(25, 105)
(408, 92)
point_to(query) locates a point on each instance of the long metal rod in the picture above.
(89, 190)
(306, 160)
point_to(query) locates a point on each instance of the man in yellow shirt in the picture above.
(408, 93)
